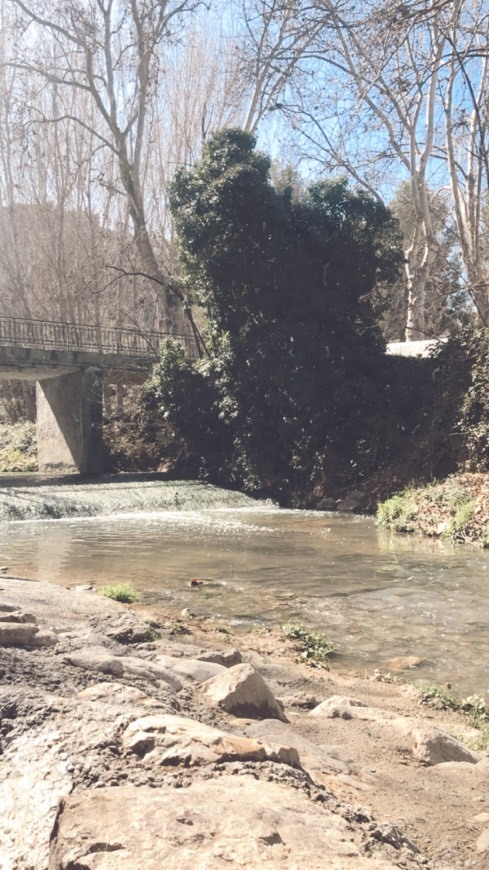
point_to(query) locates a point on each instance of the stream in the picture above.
(377, 596)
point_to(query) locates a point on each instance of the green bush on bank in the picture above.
(313, 647)
(398, 512)
(122, 592)
(474, 413)
(474, 708)
(18, 447)
(454, 510)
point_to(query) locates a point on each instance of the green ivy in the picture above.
(286, 282)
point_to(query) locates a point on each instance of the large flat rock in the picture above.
(233, 821)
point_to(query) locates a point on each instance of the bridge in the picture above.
(69, 362)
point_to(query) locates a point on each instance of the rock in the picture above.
(233, 821)
(326, 504)
(120, 666)
(34, 775)
(195, 669)
(352, 501)
(93, 661)
(455, 767)
(481, 818)
(338, 707)
(482, 844)
(117, 694)
(127, 628)
(175, 740)
(241, 690)
(150, 670)
(301, 700)
(321, 762)
(482, 766)
(44, 637)
(18, 634)
(227, 658)
(434, 746)
(13, 615)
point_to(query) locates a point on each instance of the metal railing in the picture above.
(51, 335)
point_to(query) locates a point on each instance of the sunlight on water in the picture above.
(375, 595)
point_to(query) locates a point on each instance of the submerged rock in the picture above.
(351, 502)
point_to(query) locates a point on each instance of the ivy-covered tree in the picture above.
(286, 281)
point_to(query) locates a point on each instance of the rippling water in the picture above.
(375, 595)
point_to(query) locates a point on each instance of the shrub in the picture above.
(397, 512)
(122, 592)
(312, 646)
(474, 413)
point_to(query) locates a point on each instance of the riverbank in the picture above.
(455, 510)
(134, 737)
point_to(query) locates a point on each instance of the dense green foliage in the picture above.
(18, 447)
(295, 396)
(295, 357)
(474, 416)
(312, 646)
(461, 400)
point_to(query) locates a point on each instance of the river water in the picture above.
(377, 596)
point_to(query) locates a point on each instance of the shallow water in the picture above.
(376, 596)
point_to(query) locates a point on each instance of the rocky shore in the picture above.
(127, 743)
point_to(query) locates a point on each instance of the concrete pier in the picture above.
(69, 422)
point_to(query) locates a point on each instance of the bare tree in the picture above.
(384, 92)
(276, 38)
(109, 52)
(380, 115)
(466, 107)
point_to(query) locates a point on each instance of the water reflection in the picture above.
(376, 596)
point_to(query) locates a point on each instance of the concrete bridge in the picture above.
(69, 363)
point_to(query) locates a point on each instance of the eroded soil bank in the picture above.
(127, 743)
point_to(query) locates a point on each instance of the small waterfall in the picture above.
(48, 500)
